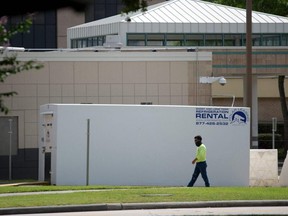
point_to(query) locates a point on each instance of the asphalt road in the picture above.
(260, 207)
(275, 211)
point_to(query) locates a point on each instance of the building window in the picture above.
(194, 40)
(136, 40)
(155, 40)
(213, 40)
(79, 44)
(103, 8)
(257, 40)
(174, 40)
(233, 40)
(284, 40)
(42, 34)
(88, 42)
(84, 43)
(74, 43)
(100, 40)
(271, 40)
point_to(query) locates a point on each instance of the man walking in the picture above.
(200, 161)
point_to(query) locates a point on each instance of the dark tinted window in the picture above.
(42, 32)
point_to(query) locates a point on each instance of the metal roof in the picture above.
(197, 11)
(181, 16)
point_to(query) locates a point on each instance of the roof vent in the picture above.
(113, 41)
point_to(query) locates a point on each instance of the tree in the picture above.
(277, 7)
(134, 5)
(9, 63)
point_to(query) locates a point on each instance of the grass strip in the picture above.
(134, 194)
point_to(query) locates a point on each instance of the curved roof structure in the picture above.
(181, 16)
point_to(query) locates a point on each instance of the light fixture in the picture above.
(222, 81)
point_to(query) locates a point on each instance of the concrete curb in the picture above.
(133, 206)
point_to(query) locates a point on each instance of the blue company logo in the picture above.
(239, 117)
(221, 116)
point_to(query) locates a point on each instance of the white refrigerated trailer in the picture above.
(93, 144)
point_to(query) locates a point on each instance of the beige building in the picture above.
(268, 64)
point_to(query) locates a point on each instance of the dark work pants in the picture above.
(200, 168)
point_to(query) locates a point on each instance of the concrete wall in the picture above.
(283, 178)
(263, 167)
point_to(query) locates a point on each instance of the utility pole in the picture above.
(248, 77)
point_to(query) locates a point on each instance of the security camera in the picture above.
(128, 19)
(222, 81)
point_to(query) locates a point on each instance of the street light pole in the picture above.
(248, 80)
